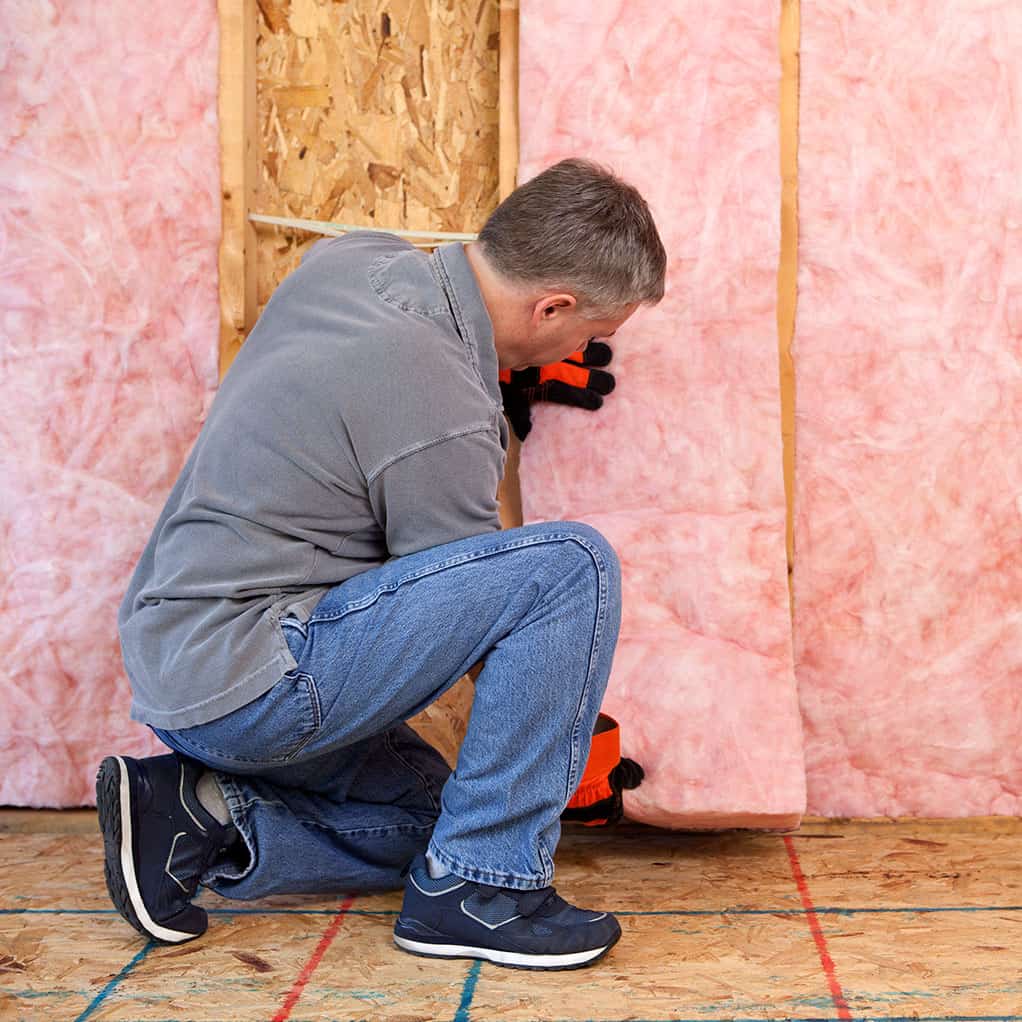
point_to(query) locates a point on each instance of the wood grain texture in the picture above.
(382, 113)
(239, 146)
(919, 919)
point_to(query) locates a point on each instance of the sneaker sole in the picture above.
(113, 800)
(510, 959)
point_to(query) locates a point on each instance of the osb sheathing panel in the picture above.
(377, 113)
(915, 920)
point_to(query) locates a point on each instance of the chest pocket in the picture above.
(405, 279)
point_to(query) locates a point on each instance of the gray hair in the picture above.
(578, 228)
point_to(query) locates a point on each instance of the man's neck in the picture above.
(505, 305)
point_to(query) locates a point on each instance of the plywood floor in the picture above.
(839, 921)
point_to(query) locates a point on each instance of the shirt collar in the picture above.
(470, 316)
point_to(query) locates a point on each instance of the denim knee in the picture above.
(600, 555)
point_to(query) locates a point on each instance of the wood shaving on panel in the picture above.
(377, 114)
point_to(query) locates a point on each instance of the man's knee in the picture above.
(584, 543)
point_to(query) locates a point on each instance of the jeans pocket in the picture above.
(296, 636)
(305, 720)
(272, 729)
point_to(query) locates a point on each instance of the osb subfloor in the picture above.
(843, 920)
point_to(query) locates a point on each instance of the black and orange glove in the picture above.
(597, 802)
(576, 380)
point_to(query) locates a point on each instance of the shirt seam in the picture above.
(277, 661)
(374, 274)
(425, 445)
(462, 326)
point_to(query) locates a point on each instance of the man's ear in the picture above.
(549, 307)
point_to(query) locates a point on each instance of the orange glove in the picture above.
(597, 802)
(573, 381)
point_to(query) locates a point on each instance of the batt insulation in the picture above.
(908, 578)
(908, 356)
(109, 224)
(681, 469)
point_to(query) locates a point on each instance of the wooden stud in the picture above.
(508, 176)
(239, 141)
(510, 494)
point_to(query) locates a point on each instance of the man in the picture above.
(330, 561)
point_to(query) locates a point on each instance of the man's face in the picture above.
(559, 330)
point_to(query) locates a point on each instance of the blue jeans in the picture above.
(332, 792)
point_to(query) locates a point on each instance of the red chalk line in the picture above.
(836, 994)
(310, 966)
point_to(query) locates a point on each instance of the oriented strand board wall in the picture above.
(374, 113)
(377, 113)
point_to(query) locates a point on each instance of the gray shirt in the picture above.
(360, 421)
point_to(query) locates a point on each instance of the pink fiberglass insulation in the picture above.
(681, 469)
(108, 344)
(908, 556)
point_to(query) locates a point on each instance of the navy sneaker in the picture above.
(157, 841)
(454, 918)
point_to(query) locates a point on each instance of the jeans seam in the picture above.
(388, 741)
(452, 562)
(396, 828)
(221, 754)
(548, 863)
(601, 608)
(486, 876)
(248, 803)
(297, 625)
(238, 807)
(317, 717)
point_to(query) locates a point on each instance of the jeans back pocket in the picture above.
(272, 729)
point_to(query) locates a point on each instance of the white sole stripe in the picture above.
(500, 957)
(128, 866)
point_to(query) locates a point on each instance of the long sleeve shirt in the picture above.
(360, 421)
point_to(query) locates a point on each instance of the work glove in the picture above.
(576, 380)
(597, 802)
